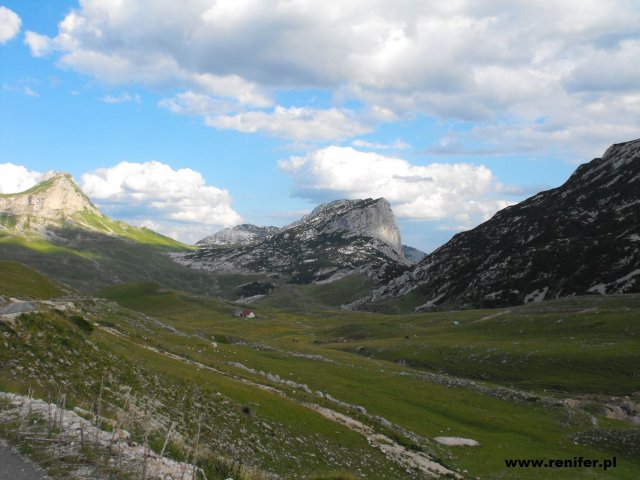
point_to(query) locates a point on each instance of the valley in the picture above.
(353, 394)
(326, 349)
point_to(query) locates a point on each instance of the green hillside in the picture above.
(17, 280)
(88, 260)
(500, 377)
(309, 393)
(102, 223)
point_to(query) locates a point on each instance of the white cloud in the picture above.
(192, 103)
(10, 24)
(455, 60)
(122, 98)
(398, 144)
(16, 178)
(40, 45)
(178, 200)
(177, 203)
(294, 123)
(460, 194)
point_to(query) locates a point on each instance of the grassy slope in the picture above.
(571, 346)
(40, 187)
(316, 296)
(581, 345)
(101, 223)
(48, 353)
(90, 260)
(17, 280)
(571, 359)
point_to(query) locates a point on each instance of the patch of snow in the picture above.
(634, 238)
(600, 288)
(430, 304)
(536, 296)
(628, 276)
(493, 295)
(248, 300)
(624, 282)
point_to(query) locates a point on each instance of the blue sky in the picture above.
(190, 116)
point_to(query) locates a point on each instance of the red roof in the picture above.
(246, 312)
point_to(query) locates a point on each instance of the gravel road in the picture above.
(14, 466)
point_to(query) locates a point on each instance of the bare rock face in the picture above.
(245, 234)
(357, 218)
(580, 238)
(50, 203)
(334, 240)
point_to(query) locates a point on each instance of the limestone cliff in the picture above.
(53, 202)
(334, 240)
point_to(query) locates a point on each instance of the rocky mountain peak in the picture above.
(614, 159)
(334, 240)
(53, 201)
(356, 218)
(580, 238)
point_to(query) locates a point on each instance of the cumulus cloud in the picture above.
(10, 24)
(462, 60)
(460, 194)
(294, 123)
(16, 178)
(40, 45)
(177, 200)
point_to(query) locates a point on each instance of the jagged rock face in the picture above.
(580, 238)
(245, 234)
(334, 240)
(357, 218)
(51, 203)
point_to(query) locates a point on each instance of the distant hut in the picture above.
(245, 313)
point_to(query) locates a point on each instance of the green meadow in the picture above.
(529, 382)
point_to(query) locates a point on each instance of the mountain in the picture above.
(245, 234)
(413, 255)
(580, 238)
(55, 228)
(334, 240)
(53, 202)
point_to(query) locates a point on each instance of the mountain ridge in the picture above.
(579, 238)
(334, 240)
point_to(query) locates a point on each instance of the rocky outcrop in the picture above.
(245, 234)
(54, 201)
(334, 240)
(580, 238)
(356, 218)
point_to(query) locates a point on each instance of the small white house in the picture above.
(245, 313)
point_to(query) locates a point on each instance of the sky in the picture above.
(190, 116)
